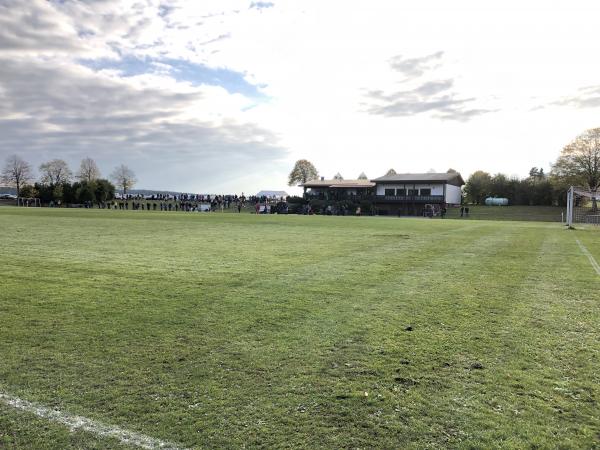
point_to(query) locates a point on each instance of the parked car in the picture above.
(8, 197)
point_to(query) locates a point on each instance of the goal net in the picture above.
(583, 206)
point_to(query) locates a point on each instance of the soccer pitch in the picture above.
(243, 331)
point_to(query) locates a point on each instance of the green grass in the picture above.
(230, 331)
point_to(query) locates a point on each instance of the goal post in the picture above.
(29, 201)
(582, 206)
(570, 207)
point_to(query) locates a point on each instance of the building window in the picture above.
(413, 192)
(389, 192)
(425, 192)
(400, 192)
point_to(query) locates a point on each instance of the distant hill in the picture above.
(8, 190)
(11, 190)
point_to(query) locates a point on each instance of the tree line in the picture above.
(536, 189)
(58, 184)
(577, 165)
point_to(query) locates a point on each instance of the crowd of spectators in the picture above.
(191, 202)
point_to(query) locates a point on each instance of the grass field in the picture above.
(244, 331)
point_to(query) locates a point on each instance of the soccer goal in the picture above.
(582, 206)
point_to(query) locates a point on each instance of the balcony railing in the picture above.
(340, 196)
(410, 198)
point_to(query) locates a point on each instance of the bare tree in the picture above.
(16, 173)
(579, 162)
(55, 172)
(123, 177)
(88, 170)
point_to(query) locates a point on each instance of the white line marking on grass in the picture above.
(74, 423)
(585, 251)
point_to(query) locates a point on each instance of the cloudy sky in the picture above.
(223, 96)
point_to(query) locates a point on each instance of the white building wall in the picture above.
(453, 194)
(436, 189)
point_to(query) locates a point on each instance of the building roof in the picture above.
(453, 178)
(338, 184)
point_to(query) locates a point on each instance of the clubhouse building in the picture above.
(407, 194)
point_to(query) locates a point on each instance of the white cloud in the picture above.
(420, 92)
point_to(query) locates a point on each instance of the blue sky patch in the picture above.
(233, 82)
(165, 10)
(196, 74)
(261, 5)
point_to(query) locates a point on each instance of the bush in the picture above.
(295, 208)
(295, 200)
(29, 191)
